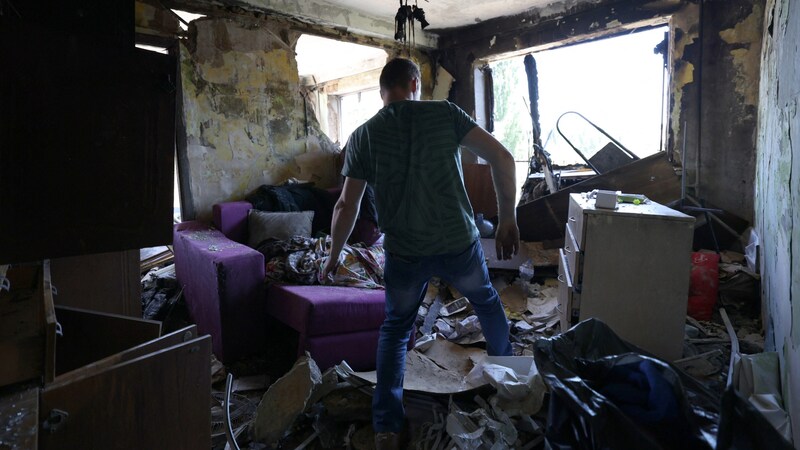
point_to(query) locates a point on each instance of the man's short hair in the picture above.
(398, 72)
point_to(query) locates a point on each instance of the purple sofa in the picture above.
(224, 287)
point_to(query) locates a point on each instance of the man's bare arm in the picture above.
(344, 218)
(501, 161)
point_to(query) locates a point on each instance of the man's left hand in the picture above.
(507, 239)
(331, 264)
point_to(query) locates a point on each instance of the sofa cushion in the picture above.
(321, 310)
(277, 225)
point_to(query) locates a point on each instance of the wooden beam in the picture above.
(538, 27)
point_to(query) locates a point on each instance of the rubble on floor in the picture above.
(285, 401)
(160, 292)
(162, 298)
(707, 343)
(531, 308)
(306, 409)
(458, 397)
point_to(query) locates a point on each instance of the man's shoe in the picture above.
(387, 441)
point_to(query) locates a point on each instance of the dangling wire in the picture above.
(410, 18)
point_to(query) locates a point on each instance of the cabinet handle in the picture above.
(572, 219)
(561, 279)
(567, 250)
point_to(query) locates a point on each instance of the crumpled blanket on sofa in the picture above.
(299, 260)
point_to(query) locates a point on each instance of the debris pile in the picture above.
(160, 292)
(456, 396)
(707, 343)
(163, 299)
(531, 308)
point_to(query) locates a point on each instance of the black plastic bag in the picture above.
(609, 394)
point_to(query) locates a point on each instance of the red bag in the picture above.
(703, 285)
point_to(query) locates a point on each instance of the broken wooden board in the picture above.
(543, 219)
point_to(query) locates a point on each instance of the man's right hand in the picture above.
(507, 239)
(503, 166)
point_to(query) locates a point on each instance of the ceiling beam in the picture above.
(555, 26)
(316, 12)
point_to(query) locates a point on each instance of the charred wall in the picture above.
(713, 76)
(714, 80)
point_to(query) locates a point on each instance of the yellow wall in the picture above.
(246, 123)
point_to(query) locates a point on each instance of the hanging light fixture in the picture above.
(404, 21)
(419, 14)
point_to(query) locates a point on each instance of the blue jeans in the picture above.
(406, 283)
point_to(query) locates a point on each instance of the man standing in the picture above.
(409, 153)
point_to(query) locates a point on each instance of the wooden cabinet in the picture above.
(154, 395)
(628, 267)
(115, 285)
(27, 324)
(84, 379)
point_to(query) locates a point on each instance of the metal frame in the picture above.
(616, 142)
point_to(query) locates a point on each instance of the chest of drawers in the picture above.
(628, 267)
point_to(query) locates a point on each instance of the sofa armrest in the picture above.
(223, 284)
(231, 219)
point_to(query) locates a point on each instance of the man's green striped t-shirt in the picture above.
(409, 153)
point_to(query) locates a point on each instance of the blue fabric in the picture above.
(406, 281)
(641, 391)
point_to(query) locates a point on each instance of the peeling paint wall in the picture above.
(245, 122)
(723, 66)
(778, 192)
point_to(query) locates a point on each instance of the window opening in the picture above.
(616, 83)
(340, 81)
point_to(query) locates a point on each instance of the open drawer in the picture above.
(105, 381)
(152, 395)
(568, 298)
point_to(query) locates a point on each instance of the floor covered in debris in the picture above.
(454, 397)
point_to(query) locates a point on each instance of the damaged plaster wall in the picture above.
(723, 65)
(245, 122)
(777, 193)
